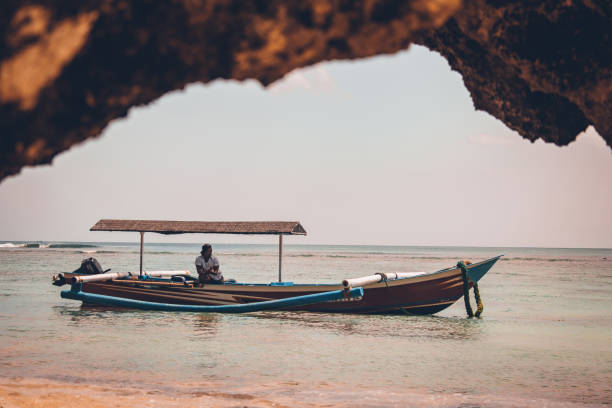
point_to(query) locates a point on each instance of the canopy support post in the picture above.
(280, 258)
(141, 248)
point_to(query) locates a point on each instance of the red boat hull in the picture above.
(424, 294)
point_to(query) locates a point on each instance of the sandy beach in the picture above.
(32, 393)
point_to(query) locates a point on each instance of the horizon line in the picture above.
(306, 244)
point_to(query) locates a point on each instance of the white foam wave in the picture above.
(11, 245)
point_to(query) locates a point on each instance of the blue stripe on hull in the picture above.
(75, 293)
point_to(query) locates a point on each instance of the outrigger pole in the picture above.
(76, 293)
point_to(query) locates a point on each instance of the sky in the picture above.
(383, 151)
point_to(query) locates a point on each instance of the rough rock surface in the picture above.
(544, 68)
(67, 68)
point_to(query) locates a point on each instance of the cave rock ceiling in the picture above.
(67, 68)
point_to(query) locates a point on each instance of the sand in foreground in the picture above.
(33, 393)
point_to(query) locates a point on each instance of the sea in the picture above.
(544, 338)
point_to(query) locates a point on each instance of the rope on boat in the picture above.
(466, 291)
(383, 278)
(480, 306)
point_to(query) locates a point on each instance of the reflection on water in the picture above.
(545, 334)
(93, 315)
(426, 327)
(205, 324)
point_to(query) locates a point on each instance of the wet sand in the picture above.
(33, 393)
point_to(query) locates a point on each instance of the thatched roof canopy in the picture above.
(208, 227)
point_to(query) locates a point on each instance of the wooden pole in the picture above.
(280, 257)
(141, 248)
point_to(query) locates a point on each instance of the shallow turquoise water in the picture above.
(545, 335)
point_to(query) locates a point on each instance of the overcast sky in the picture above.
(387, 150)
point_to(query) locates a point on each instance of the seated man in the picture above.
(208, 266)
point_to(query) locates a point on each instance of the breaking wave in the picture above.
(542, 259)
(72, 246)
(11, 245)
(44, 245)
(24, 245)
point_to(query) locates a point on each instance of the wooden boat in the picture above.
(391, 293)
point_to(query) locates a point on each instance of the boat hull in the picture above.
(424, 294)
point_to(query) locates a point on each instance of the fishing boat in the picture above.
(381, 293)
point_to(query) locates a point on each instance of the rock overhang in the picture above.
(68, 68)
